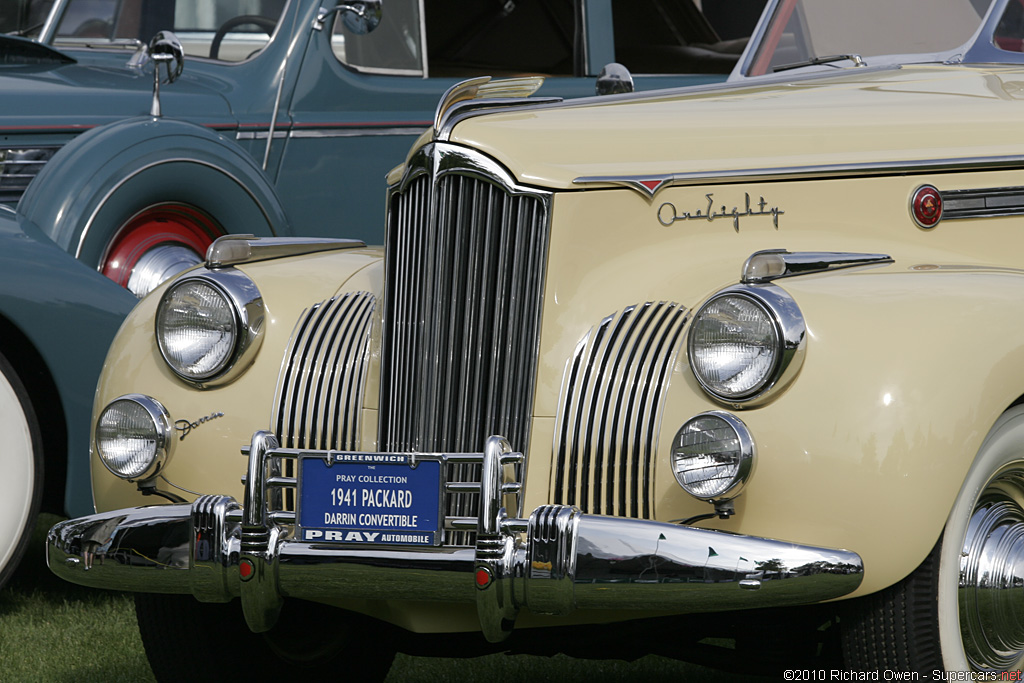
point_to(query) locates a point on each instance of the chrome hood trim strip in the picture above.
(649, 185)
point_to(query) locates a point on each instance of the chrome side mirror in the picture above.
(165, 48)
(614, 79)
(359, 17)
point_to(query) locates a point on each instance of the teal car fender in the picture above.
(110, 178)
(57, 318)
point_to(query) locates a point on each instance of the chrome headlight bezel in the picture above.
(161, 437)
(248, 313)
(790, 340)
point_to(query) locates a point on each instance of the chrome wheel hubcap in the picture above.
(991, 589)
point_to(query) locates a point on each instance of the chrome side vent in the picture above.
(18, 166)
(320, 390)
(610, 410)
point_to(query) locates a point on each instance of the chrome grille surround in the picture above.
(319, 396)
(610, 405)
(19, 166)
(466, 253)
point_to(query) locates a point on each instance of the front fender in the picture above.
(98, 181)
(213, 424)
(906, 370)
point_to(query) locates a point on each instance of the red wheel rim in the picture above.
(177, 224)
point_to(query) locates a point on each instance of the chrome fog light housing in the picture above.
(209, 326)
(132, 436)
(713, 456)
(746, 343)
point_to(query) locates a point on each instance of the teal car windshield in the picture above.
(228, 30)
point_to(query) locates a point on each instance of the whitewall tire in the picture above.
(22, 466)
(981, 565)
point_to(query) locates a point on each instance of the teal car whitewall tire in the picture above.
(22, 463)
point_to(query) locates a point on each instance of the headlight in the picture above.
(747, 342)
(713, 456)
(132, 435)
(209, 326)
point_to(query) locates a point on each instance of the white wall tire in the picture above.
(22, 465)
(981, 565)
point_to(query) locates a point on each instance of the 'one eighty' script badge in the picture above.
(667, 213)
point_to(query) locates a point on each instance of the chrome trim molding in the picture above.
(556, 561)
(231, 250)
(249, 311)
(773, 264)
(355, 132)
(609, 410)
(332, 132)
(650, 185)
(791, 332)
(983, 203)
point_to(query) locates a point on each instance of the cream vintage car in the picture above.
(741, 362)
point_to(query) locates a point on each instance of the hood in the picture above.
(54, 93)
(917, 113)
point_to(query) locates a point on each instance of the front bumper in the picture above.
(554, 562)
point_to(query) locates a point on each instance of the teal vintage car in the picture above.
(282, 114)
(57, 318)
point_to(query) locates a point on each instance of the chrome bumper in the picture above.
(554, 562)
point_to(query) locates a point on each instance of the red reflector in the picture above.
(926, 206)
(245, 569)
(483, 577)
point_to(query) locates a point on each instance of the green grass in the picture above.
(53, 631)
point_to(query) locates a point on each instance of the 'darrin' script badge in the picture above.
(667, 213)
(184, 426)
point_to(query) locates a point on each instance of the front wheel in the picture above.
(22, 462)
(190, 640)
(963, 608)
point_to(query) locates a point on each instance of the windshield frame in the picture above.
(979, 49)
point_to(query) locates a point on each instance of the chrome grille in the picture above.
(466, 250)
(320, 390)
(610, 409)
(18, 166)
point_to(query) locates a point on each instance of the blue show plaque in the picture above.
(369, 498)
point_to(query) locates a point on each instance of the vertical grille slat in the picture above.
(609, 410)
(319, 393)
(467, 247)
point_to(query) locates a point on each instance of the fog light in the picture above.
(713, 456)
(132, 434)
